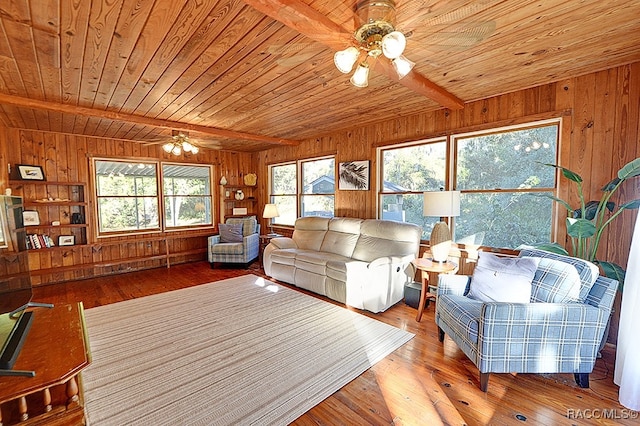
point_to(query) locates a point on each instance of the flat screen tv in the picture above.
(15, 284)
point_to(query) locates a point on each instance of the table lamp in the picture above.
(441, 204)
(270, 211)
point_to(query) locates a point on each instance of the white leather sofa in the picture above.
(363, 263)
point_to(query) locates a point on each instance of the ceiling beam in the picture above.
(139, 120)
(313, 24)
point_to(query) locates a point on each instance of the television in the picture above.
(15, 284)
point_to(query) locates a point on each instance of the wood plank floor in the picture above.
(424, 382)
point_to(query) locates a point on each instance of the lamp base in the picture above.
(440, 242)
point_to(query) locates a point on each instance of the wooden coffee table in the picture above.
(57, 349)
(428, 265)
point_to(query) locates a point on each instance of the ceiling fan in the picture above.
(375, 20)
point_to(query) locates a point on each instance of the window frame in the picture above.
(452, 141)
(159, 197)
(300, 194)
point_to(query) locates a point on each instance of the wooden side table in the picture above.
(428, 265)
(57, 349)
(264, 242)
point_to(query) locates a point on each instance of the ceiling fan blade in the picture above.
(305, 20)
(313, 24)
(421, 84)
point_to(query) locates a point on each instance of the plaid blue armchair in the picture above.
(236, 252)
(536, 337)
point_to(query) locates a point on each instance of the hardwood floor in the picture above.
(424, 382)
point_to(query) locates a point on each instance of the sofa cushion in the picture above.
(502, 279)
(309, 232)
(587, 271)
(339, 269)
(555, 282)
(316, 262)
(230, 232)
(342, 236)
(284, 256)
(382, 237)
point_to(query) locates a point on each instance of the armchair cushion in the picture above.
(230, 232)
(503, 279)
(587, 271)
(555, 282)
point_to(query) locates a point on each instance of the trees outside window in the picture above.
(303, 188)
(128, 196)
(500, 174)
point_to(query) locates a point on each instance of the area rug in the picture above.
(238, 351)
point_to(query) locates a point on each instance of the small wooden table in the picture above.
(264, 242)
(428, 265)
(57, 349)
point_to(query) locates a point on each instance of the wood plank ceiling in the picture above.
(237, 79)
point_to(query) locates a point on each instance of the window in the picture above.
(128, 196)
(315, 177)
(500, 173)
(406, 172)
(187, 195)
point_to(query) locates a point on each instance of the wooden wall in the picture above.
(65, 158)
(601, 132)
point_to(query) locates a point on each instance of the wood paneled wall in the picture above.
(65, 158)
(600, 134)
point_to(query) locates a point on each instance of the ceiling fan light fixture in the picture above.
(360, 77)
(176, 150)
(402, 65)
(168, 147)
(194, 149)
(345, 59)
(393, 44)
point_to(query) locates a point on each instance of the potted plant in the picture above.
(586, 223)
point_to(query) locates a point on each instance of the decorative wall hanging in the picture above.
(354, 175)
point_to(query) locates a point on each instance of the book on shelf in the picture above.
(38, 241)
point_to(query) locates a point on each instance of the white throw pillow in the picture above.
(502, 279)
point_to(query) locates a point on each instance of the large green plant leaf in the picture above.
(591, 210)
(566, 173)
(552, 247)
(580, 228)
(557, 200)
(631, 169)
(613, 271)
(634, 204)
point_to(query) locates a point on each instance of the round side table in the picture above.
(428, 265)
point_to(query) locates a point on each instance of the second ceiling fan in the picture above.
(374, 38)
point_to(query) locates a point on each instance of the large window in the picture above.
(501, 175)
(128, 196)
(303, 188)
(187, 195)
(406, 172)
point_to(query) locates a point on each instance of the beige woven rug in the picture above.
(238, 351)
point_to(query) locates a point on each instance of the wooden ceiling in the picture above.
(240, 80)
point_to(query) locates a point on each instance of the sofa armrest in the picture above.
(603, 293)
(214, 239)
(283, 243)
(389, 260)
(453, 284)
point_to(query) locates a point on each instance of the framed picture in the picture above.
(26, 172)
(354, 175)
(66, 240)
(30, 217)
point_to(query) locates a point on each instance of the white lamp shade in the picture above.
(270, 211)
(441, 203)
(344, 59)
(402, 65)
(168, 147)
(360, 78)
(393, 44)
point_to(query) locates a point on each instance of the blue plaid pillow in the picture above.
(555, 282)
(587, 271)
